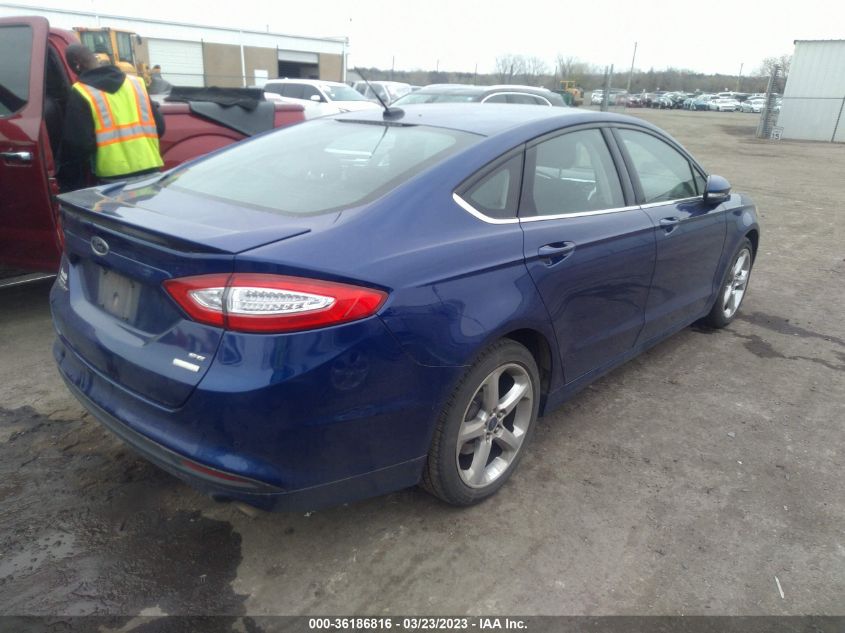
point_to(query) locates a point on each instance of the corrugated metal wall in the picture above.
(814, 96)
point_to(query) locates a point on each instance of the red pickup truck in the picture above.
(35, 81)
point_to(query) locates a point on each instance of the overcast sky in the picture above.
(707, 36)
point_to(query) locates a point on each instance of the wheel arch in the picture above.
(754, 237)
(536, 343)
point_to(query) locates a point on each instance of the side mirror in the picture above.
(316, 98)
(717, 190)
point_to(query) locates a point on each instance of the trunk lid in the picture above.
(117, 315)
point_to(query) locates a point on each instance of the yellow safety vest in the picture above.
(127, 139)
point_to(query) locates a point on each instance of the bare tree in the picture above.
(565, 65)
(533, 69)
(769, 63)
(510, 66)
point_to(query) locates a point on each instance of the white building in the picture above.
(197, 55)
(814, 98)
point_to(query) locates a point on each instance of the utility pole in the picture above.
(608, 78)
(631, 74)
(739, 79)
(475, 75)
(392, 66)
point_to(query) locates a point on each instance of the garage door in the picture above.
(181, 62)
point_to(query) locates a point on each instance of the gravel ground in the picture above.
(685, 482)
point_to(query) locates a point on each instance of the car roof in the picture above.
(490, 119)
(311, 82)
(470, 89)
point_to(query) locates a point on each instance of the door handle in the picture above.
(555, 252)
(669, 224)
(18, 157)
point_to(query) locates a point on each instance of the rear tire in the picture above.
(733, 288)
(485, 425)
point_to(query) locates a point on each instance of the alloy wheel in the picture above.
(736, 284)
(494, 425)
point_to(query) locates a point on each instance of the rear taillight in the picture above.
(253, 302)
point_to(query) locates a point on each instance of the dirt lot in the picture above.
(683, 483)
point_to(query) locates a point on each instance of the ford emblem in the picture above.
(99, 246)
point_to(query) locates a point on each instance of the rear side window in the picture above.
(570, 173)
(292, 91)
(320, 166)
(664, 173)
(497, 193)
(15, 59)
(524, 99)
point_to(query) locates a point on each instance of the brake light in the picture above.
(255, 302)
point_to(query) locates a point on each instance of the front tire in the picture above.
(733, 288)
(484, 427)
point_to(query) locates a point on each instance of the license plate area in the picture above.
(117, 294)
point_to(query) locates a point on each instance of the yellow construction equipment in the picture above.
(571, 88)
(115, 47)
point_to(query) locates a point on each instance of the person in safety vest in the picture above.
(111, 127)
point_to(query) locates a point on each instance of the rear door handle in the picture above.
(18, 157)
(556, 251)
(669, 224)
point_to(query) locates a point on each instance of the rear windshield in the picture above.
(443, 97)
(320, 166)
(15, 53)
(342, 93)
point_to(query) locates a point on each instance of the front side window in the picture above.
(97, 42)
(497, 194)
(310, 91)
(15, 56)
(124, 48)
(664, 173)
(321, 166)
(571, 173)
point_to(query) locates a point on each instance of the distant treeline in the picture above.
(588, 78)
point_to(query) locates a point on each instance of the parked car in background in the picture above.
(724, 104)
(388, 91)
(753, 105)
(336, 94)
(702, 102)
(357, 304)
(615, 97)
(634, 101)
(311, 109)
(671, 100)
(461, 93)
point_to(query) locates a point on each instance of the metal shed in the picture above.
(814, 98)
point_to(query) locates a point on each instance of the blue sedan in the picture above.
(362, 303)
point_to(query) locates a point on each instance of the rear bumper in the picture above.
(289, 439)
(222, 486)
